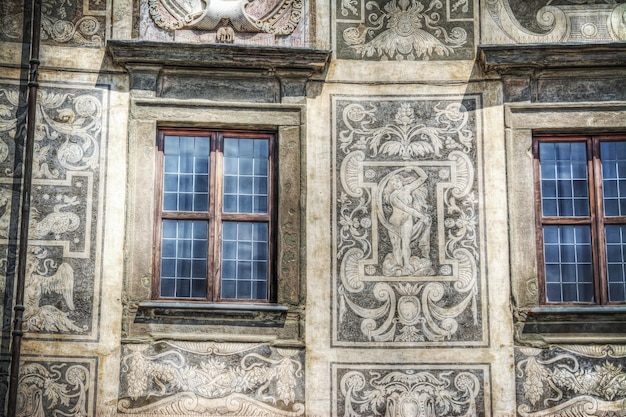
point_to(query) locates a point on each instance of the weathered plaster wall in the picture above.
(417, 256)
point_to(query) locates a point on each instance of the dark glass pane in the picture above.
(183, 268)
(186, 164)
(549, 207)
(245, 185)
(261, 167)
(259, 290)
(553, 293)
(260, 205)
(231, 148)
(230, 204)
(168, 248)
(200, 249)
(613, 156)
(245, 204)
(230, 185)
(198, 288)
(169, 228)
(168, 268)
(564, 188)
(231, 166)
(244, 250)
(568, 196)
(229, 269)
(185, 183)
(183, 288)
(246, 147)
(244, 289)
(616, 261)
(171, 163)
(565, 207)
(168, 287)
(198, 269)
(570, 292)
(229, 289)
(202, 184)
(245, 166)
(244, 231)
(617, 292)
(170, 202)
(170, 182)
(200, 203)
(185, 202)
(229, 230)
(244, 270)
(260, 271)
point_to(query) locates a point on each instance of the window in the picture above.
(581, 218)
(215, 197)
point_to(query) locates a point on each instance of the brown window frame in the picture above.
(215, 215)
(596, 219)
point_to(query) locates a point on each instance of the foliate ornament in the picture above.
(410, 392)
(406, 221)
(403, 29)
(576, 380)
(61, 389)
(185, 378)
(280, 19)
(564, 21)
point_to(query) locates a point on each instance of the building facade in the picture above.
(316, 208)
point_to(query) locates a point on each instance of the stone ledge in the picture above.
(222, 56)
(507, 58)
(175, 312)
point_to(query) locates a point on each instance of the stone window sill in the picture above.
(176, 312)
(556, 324)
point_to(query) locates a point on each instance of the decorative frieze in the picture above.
(410, 390)
(177, 378)
(380, 30)
(580, 380)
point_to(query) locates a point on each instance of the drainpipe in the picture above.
(27, 171)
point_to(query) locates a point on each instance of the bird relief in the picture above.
(45, 277)
(278, 17)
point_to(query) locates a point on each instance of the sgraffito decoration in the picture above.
(406, 223)
(541, 21)
(61, 296)
(409, 390)
(63, 23)
(277, 17)
(571, 380)
(57, 387)
(176, 378)
(404, 29)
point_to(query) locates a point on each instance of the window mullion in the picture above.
(598, 226)
(215, 230)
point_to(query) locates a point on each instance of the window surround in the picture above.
(241, 88)
(553, 88)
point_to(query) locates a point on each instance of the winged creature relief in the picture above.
(42, 279)
(281, 19)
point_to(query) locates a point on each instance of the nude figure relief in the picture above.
(404, 212)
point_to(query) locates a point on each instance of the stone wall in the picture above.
(407, 256)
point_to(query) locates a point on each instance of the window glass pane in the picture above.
(244, 260)
(184, 258)
(246, 175)
(616, 261)
(185, 177)
(613, 156)
(564, 184)
(568, 268)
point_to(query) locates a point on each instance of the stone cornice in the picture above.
(507, 58)
(218, 56)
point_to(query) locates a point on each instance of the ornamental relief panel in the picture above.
(571, 380)
(547, 21)
(381, 30)
(177, 378)
(63, 266)
(410, 390)
(57, 387)
(266, 22)
(63, 23)
(406, 223)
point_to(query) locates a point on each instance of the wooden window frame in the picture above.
(215, 215)
(596, 219)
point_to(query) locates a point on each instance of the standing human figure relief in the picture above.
(280, 19)
(404, 212)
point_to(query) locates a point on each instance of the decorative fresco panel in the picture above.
(410, 390)
(177, 378)
(571, 380)
(543, 21)
(63, 23)
(63, 267)
(57, 386)
(406, 224)
(381, 30)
